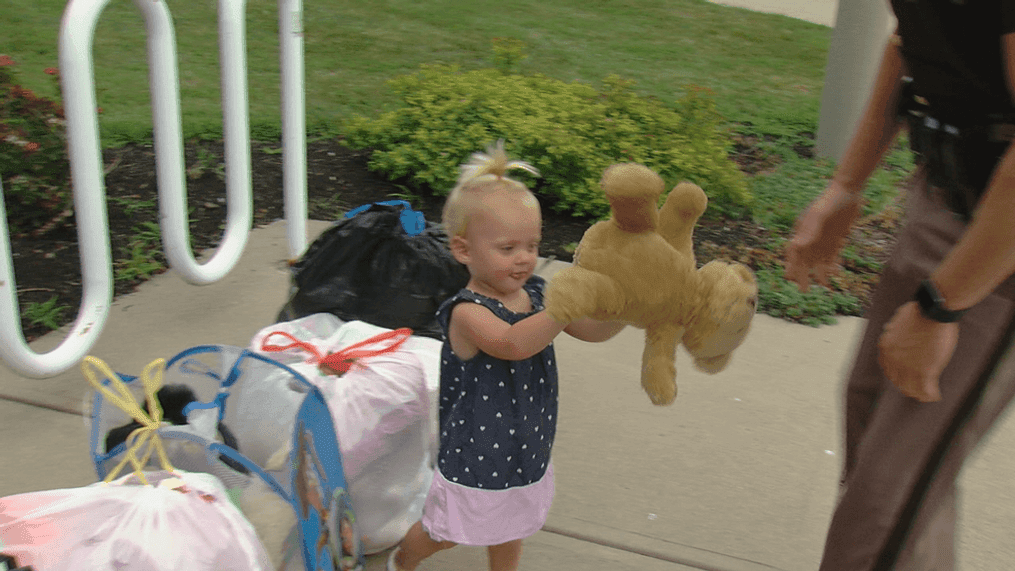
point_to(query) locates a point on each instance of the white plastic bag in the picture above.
(182, 522)
(385, 416)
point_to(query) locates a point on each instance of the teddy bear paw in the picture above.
(661, 394)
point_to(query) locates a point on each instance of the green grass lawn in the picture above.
(764, 70)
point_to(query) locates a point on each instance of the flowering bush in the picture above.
(33, 155)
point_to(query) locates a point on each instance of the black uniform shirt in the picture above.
(953, 51)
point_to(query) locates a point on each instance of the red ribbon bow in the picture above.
(340, 362)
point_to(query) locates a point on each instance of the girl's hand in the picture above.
(914, 351)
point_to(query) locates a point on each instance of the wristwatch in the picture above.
(932, 304)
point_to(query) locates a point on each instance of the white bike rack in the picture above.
(77, 32)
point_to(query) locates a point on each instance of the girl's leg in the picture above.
(506, 556)
(416, 546)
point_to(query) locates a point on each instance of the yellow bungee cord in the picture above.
(151, 379)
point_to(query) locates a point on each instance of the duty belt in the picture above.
(1000, 132)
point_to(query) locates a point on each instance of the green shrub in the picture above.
(782, 195)
(47, 313)
(33, 154)
(508, 53)
(819, 306)
(570, 131)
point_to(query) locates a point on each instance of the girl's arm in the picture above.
(593, 331)
(474, 328)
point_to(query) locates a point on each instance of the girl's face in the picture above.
(501, 244)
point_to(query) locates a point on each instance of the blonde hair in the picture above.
(482, 175)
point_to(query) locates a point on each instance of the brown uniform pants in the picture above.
(889, 437)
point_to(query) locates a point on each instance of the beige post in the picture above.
(861, 29)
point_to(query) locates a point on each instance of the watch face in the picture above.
(925, 296)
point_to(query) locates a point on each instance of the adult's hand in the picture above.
(820, 234)
(914, 350)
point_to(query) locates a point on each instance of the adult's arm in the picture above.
(915, 350)
(985, 256)
(824, 227)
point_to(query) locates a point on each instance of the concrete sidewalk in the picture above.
(739, 474)
(816, 11)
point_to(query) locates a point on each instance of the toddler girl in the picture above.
(493, 484)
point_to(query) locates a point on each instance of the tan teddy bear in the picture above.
(638, 267)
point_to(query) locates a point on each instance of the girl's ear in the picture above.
(460, 249)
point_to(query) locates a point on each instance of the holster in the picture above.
(960, 156)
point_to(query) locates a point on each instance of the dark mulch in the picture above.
(338, 179)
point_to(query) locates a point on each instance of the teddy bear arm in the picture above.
(658, 369)
(577, 292)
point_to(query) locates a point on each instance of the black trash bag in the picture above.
(382, 264)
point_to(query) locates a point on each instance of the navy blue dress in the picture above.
(497, 418)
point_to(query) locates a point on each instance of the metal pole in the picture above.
(165, 93)
(861, 29)
(77, 77)
(75, 47)
(294, 135)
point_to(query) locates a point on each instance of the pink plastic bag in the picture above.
(182, 521)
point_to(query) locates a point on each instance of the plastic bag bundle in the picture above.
(164, 520)
(181, 521)
(291, 465)
(382, 264)
(384, 412)
(263, 399)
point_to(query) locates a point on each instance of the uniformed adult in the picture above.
(916, 403)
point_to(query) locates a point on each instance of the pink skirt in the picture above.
(473, 516)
